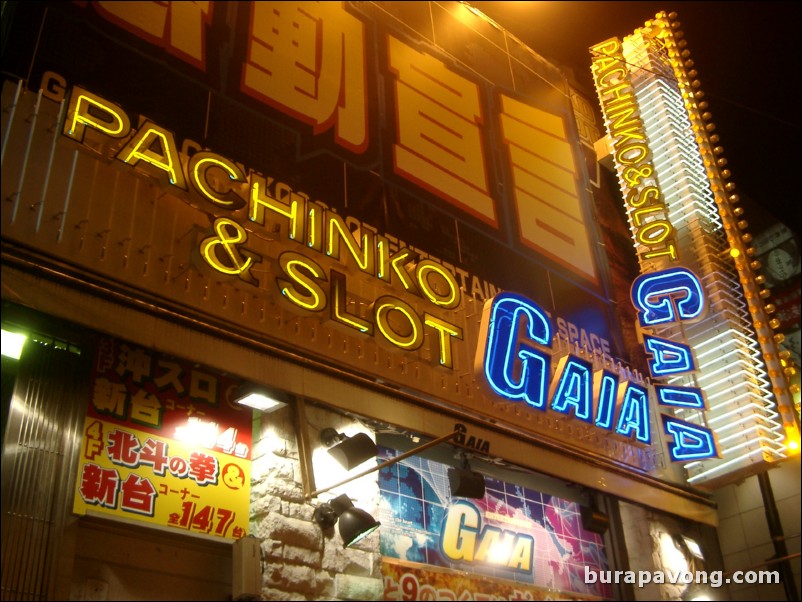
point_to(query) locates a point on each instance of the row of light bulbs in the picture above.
(752, 280)
(740, 251)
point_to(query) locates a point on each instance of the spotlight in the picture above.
(594, 520)
(466, 483)
(355, 523)
(13, 343)
(259, 398)
(348, 451)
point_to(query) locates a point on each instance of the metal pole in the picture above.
(304, 447)
(777, 536)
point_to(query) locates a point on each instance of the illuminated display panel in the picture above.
(513, 533)
(731, 374)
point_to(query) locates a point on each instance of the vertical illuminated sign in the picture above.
(678, 208)
(674, 295)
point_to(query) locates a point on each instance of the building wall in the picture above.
(115, 561)
(652, 553)
(299, 560)
(743, 531)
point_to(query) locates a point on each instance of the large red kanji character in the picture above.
(154, 453)
(123, 448)
(203, 468)
(547, 191)
(138, 495)
(178, 27)
(439, 142)
(99, 486)
(308, 60)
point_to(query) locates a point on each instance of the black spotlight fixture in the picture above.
(466, 483)
(348, 451)
(355, 523)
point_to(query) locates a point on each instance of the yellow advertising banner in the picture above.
(163, 445)
(131, 474)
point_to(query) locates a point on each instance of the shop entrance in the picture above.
(49, 552)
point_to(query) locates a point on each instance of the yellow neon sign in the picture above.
(141, 148)
(339, 311)
(292, 210)
(382, 309)
(448, 301)
(87, 109)
(199, 166)
(446, 332)
(295, 266)
(210, 246)
(361, 252)
(223, 183)
(647, 211)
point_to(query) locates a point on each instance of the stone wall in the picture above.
(301, 561)
(650, 547)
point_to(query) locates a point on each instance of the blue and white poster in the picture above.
(512, 533)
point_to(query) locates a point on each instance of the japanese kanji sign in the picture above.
(162, 445)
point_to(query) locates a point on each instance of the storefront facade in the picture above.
(391, 217)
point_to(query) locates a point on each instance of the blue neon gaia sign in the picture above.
(515, 358)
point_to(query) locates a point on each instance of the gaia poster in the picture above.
(512, 533)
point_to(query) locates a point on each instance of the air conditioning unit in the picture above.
(246, 582)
